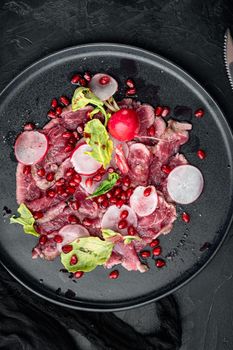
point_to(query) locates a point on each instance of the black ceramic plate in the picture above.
(28, 97)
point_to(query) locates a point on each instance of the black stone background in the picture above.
(188, 32)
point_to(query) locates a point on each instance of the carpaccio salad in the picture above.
(100, 181)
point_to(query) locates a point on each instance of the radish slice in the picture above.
(30, 147)
(70, 233)
(83, 163)
(185, 184)
(111, 218)
(141, 204)
(106, 90)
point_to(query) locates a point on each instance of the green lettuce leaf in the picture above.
(90, 251)
(97, 138)
(129, 239)
(106, 185)
(25, 219)
(109, 234)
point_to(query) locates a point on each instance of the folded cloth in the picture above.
(28, 322)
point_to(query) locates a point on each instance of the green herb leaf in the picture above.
(25, 219)
(129, 239)
(106, 185)
(90, 251)
(107, 233)
(98, 139)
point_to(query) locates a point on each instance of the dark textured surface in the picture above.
(191, 34)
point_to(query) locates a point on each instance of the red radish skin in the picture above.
(124, 124)
(31, 147)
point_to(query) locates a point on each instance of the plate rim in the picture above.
(124, 305)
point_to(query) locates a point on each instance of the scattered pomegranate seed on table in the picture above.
(157, 251)
(64, 100)
(78, 274)
(58, 111)
(130, 83)
(154, 243)
(54, 103)
(113, 274)
(87, 76)
(147, 191)
(83, 82)
(124, 214)
(75, 79)
(73, 219)
(185, 217)
(50, 176)
(73, 260)
(67, 248)
(201, 154)
(104, 80)
(151, 131)
(58, 239)
(158, 111)
(160, 263)
(131, 92)
(43, 239)
(145, 254)
(199, 113)
(27, 169)
(165, 112)
(29, 127)
(51, 114)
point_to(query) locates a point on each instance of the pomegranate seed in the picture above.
(75, 205)
(64, 100)
(70, 190)
(147, 191)
(78, 274)
(67, 248)
(72, 183)
(38, 215)
(124, 214)
(201, 154)
(51, 114)
(29, 127)
(87, 222)
(58, 239)
(73, 219)
(77, 178)
(109, 195)
(87, 76)
(101, 198)
(130, 83)
(51, 193)
(185, 217)
(83, 82)
(126, 181)
(89, 182)
(58, 111)
(157, 251)
(123, 195)
(131, 92)
(131, 231)
(114, 275)
(69, 172)
(67, 134)
(165, 112)
(160, 263)
(158, 111)
(68, 148)
(129, 192)
(73, 260)
(199, 113)
(60, 182)
(151, 131)
(43, 239)
(117, 192)
(119, 203)
(110, 170)
(122, 224)
(50, 176)
(104, 204)
(54, 103)
(75, 134)
(104, 80)
(97, 177)
(41, 172)
(75, 79)
(154, 243)
(27, 169)
(145, 254)
(113, 200)
(166, 169)
(101, 171)
(61, 190)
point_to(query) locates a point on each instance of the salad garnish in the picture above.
(106, 185)
(25, 219)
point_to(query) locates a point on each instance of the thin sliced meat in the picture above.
(26, 189)
(51, 124)
(71, 120)
(42, 203)
(41, 182)
(146, 118)
(52, 212)
(48, 251)
(62, 168)
(139, 161)
(128, 103)
(160, 127)
(57, 145)
(90, 188)
(120, 159)
(88, 208)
